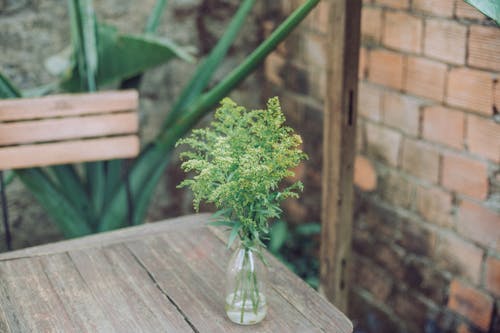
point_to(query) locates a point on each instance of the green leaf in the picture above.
(96, 182)
(198, 108)
(143, 177)
(124, 56)
(155, 16)
(207, 68)
(72, 187)
(279, 234)
(7, 89)
(233, 234)
(65, 214)
(221, 213)
(83, 37)
(490, 8)
(308, 229)
(222, 223)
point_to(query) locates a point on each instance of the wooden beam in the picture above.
(45, 154)
(69, 105)
(339, 148)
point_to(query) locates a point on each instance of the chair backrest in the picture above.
(70, 128)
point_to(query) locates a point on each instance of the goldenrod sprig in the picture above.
(239, 163)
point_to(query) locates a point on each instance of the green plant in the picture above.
(95, 201)
(297, 247)
(490, 8)
(239, 163)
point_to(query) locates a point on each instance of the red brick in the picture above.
(464, 10)
(470, 89)
(493, 275)
(411, 309)
(445, 40)
(479, 224)
(496, 95)
(369, 101)
(420, 160)
(465, 175)
(401, 111)
(471, 303)
(363, 61)
(425, 78)
(464, 328)
(483, 137)
(459, 256)
(371, 24)
(386, 68)
(439, 8)
(365, 176)
(398, 190)
(383, 143)
(417, 238)
(444, 125)
(484, 47)
(402, 31)
(434, 205)
(401, 4)
(373, 279)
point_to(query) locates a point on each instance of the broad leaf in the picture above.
(207, 68)
(490, 8)
(124, 56)
(7, 89)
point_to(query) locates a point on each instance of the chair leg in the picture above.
(5, 213)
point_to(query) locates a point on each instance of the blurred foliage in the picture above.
(297, 247)
(490, 8)
(101, 57)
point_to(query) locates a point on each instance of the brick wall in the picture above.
(427, 232)
(427, 223)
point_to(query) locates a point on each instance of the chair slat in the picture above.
(69, 152)
(67, 105)
(68, 128)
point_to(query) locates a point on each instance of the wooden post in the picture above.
(339, 148)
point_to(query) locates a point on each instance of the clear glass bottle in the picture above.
(246, 303)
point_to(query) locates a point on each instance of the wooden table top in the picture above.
(159, 277)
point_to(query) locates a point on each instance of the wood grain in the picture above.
(210, 252)
(187, 222)
(339, 148)
(299, 294)
(162, 277)
(68, 128)
(68, 105)
(68, 152)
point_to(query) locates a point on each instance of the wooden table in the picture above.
(160, 277)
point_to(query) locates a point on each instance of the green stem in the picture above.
(198, 109)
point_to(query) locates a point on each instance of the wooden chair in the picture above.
(62, 129)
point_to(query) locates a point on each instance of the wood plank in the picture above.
(125, 293)
(29, 301)
(298, 293)
(187, 222)
(68, 105)
(188, 291)
(68, 128)
(72, 290)
(69, 152)
(339, 148)
(206, 250)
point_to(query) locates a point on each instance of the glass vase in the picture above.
(246, 303)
